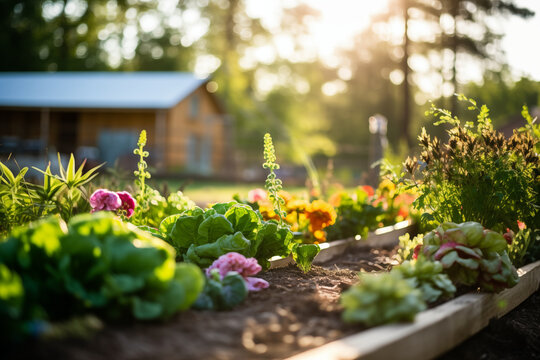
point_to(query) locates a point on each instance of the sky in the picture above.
(339, 19)
(522, 42)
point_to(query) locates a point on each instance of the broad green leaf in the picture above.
(243, 219)
(185, 231)
(204, 255)
(304, 254)
(167, 224)
(212, 228)
(234, 290)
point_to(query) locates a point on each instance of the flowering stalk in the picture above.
(141, 173)
(273, 184)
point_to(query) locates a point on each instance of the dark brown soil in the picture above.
(299, 311)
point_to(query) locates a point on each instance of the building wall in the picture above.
(192, 131)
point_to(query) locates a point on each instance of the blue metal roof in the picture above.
(100, 90)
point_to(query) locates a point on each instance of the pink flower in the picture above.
(234, 261)
(103, 199)
(256, 195)
(521, 225)
(128, 203)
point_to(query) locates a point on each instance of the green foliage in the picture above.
(356, 215)
(304, 254)
(381, 298)
(160, 207)
(428, 277)
(222, 294)
(152, 207)
(64, 194)
(471, 255)
(478, 174)
(407, 246)
(95, 263)
(201, 236)
(273, 185)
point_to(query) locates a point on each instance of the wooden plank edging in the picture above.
(433, 331)
(383, 237)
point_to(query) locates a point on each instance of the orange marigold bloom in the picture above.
(320, 215)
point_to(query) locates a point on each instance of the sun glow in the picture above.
(339, 21)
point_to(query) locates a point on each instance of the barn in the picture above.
(98, 115)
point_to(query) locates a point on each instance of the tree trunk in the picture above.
(405, 122)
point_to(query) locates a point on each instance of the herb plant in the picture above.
(477, 174)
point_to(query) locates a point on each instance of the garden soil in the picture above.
(298, 312)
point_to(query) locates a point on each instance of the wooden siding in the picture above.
(92, 122)
(207, 124)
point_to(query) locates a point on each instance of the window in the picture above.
(194, 106)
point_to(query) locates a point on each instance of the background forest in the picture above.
(273, 75)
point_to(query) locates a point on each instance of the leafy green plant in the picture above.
(478, 174)
(427, 276)
(95, 263)
(407, 246)
(471, 255)
(62, 193)
(381, 298)
(222, 294)
(16, 205)
(356, 215)
(201, 236)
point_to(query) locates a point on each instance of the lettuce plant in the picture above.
(381, 298)
(428, 277)
(95, 263)
(201, 236)
(471, 255)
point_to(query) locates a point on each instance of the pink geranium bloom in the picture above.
(246, 267)
(256, 195)
(128, 203)
(103, 199)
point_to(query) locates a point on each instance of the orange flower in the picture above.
(335, 198)
(368, 190)
(320, 215)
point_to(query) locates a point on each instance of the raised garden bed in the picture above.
(300, 311)
(434, 331)
(383, 237)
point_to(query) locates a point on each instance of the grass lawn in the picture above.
(205, 192)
